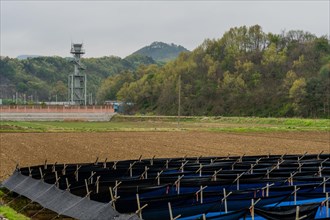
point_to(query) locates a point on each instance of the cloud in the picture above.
(120, 28)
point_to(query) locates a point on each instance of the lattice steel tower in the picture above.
(77, 82)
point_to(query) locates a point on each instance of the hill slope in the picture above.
(246, 72)
(42, 78)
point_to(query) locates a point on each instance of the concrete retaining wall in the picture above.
(55, 109)
(56, 113)
(55, 116)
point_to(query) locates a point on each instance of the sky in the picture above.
(119, 28)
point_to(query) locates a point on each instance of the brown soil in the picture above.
(34, 148)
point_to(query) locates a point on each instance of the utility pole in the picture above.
(179, 98)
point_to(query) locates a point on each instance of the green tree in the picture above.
(59, 91)
(297, 94)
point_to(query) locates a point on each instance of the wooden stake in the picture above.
(299, 167)
(131, 168)
(105, 163)
(97, 184)
(56, 179)
(300, 158)
(324, 161)
(41, 175)
(116, 187)
(233, 165)
(87, 189)
(90, 179)
(171, 214)
(177, 183)
(200, 169)
(295, 195)
(64, 169)
(76, 172)
(252, 207)
(139, 211)
(318, 156)
(225, 196)
(152, 160)
(158, 177)
(96, 161)
(17, 167)
(327, 204)
(146, 172)
(67, 184)
(201, 193)
(197, 159)
(320, 171)
(267, 174)
(182, 166)
(290, 179)
(324, 185)
(214, 176)
(241, 158)
(54, 167)
(45, 165)
(144, 175)
(114, 166)
(113, 198)
(237, 179)
(297, 213)
(267, 188)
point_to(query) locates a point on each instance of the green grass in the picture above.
(11, 214)
(7, 211)
(168, 123)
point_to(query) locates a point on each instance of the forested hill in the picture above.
(45, 77)
(245, 72)
(162, 52)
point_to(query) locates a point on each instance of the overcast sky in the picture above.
(122, 27)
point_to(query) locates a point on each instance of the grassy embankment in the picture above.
(166, 123)
(9, 212)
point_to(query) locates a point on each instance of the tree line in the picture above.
(246, 72)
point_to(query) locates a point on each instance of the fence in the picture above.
(55, 109)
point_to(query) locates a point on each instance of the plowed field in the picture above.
(34, 148)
